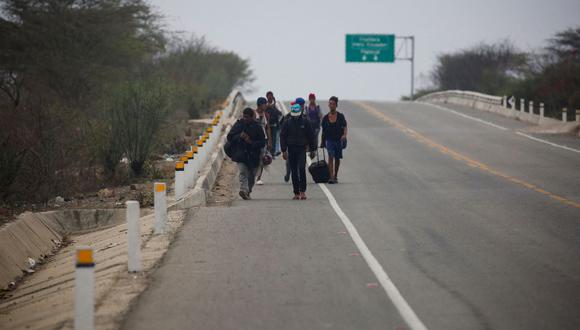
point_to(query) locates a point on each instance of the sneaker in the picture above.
(244, 195)
(302, 195)
(331, 181)
(296, 197)
(260, 183)
(286, 178)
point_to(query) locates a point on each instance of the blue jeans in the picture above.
(334, 149)
(275, 140)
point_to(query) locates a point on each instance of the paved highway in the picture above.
(478, 227)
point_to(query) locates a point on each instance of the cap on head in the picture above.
(295, 110)
(261, 100)
(300, 101)
(311, 96)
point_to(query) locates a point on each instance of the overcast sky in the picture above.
(297, 47)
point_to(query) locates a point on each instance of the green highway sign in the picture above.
(370, 48)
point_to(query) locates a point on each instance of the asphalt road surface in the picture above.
(478, 227)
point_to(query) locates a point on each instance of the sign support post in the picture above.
(380, 48)
(409, 57)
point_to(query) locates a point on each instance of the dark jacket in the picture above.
(333, 131)
(297, 131)
(247, 153)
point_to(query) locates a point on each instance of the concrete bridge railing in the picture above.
(527, 111)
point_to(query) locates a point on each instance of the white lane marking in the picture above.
(465, 116)
(393, 293)
(502, 128)
(548, 142)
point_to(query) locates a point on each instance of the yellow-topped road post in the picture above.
(179, 177)
(84, 288)
(160, 204)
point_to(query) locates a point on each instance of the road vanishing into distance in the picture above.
(444, 218)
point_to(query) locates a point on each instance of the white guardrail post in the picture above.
(188, 166)
(191, 169)
(194, 164)
(84, 289)
(160, 204)
(133, 236)
(179, 179)
(564, 114)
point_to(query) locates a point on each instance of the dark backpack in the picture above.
(230, 148)
(235, 150)
(273, 117)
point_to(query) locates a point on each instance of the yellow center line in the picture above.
(460, 157)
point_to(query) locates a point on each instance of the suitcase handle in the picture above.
(323, 155)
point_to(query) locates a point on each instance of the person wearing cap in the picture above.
(334, 131)
(249, 140)
(288, 116)
(296, 138)
(313, 114)
(262, 105)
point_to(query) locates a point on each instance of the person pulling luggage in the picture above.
(248, 139)
(296, 137)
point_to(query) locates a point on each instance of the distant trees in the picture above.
(204, 74)
(84, 83)
(551, 75)
(486, 68)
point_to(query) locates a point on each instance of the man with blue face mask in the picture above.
(296, 138)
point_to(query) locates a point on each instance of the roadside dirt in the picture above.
(226, 186)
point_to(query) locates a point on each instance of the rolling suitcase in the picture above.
(319, 169)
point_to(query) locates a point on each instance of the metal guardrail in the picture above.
(474, 96)
(188, 168)
(530, 111)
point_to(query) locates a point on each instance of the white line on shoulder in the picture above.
(465, 116)
(502, 128)
(548, 142)
(391, 290)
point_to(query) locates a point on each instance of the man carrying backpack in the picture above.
(296, 137)
(247, 139)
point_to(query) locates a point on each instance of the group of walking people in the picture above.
(265, 133)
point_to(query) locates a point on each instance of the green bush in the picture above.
(85, 83)
(137, 112)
